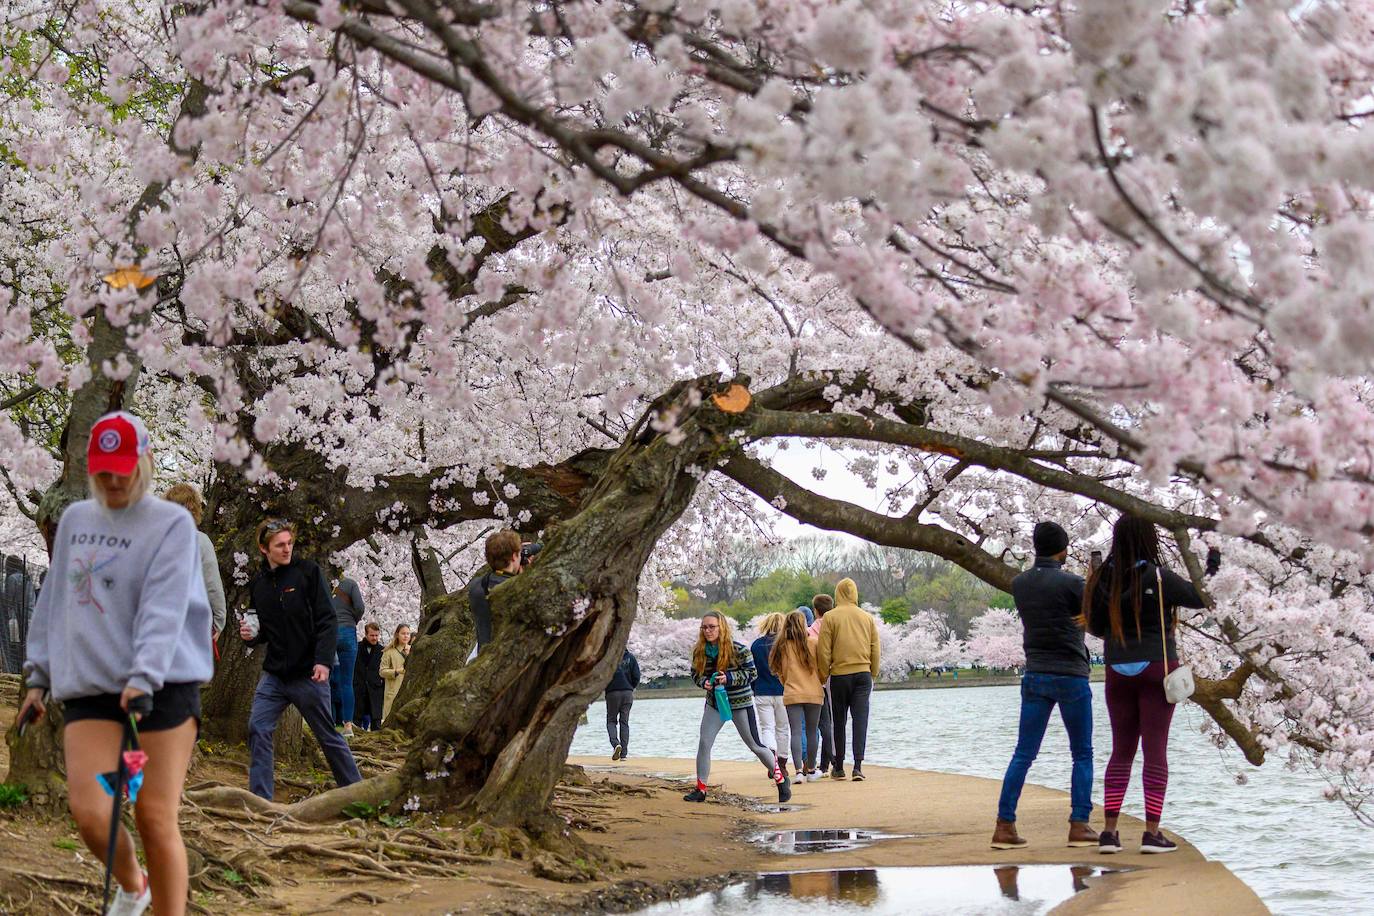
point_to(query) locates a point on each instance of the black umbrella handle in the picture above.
(121, 777)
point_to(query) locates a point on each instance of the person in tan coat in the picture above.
(847, 653)
(393, 668)
(793, 661)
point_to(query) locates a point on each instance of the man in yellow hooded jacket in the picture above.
(847, 653)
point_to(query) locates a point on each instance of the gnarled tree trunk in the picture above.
(493, 737)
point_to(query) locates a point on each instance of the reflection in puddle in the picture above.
(1007, 890)
(791, 842)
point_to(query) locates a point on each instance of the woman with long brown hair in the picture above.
(793, 660)
(1130, 602)
(720, 662)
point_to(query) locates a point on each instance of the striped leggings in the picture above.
(1139, 714)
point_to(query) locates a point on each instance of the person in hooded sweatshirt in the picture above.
(847, 654)
(620, 696)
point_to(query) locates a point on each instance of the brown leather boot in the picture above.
(1080, 834)
(1005, 836)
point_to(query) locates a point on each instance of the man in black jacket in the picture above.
(620, 696)
(1049, 600)
(368, 686)
(296, 622)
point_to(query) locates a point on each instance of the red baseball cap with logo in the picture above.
(118, 440)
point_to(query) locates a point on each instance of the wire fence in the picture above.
(18, 593)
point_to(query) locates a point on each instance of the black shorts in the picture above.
(172, 705)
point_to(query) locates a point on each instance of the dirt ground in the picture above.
(654, 846)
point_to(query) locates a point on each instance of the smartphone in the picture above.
(1096, 559)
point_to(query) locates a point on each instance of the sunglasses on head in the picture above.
(274, 526)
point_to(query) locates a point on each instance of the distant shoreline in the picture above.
(965, 679)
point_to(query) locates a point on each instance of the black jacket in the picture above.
(296, 618)
(368, 687)
(1142, 644)
(1049, 601)
(480, 606)
(626, 675)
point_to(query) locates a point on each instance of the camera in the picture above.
(527, 552)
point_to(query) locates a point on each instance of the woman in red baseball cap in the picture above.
(122, 617)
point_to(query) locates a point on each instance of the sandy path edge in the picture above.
(950, 820)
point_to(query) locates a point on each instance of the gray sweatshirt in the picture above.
(124, 604)
(348, 602)
(214, 585)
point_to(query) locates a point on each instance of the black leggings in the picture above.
(849, 695)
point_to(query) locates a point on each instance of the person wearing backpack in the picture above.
(620, 696)
(1130, 602)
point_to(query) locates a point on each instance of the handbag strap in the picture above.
(1163, 635)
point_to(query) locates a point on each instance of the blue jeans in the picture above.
(341, 676)
(269, 701)
(1039, 694)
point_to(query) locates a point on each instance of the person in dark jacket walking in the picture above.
(369, 690)
(1048, 600)
(620, 696)
(348, 612)
(1123, 604)
(296, 621)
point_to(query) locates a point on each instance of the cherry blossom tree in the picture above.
(995, 639)
(416, 266)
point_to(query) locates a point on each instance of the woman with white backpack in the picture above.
(1131, 603)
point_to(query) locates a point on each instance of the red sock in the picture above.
(701, 786)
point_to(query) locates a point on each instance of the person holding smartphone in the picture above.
(297, 622)
(124, 618)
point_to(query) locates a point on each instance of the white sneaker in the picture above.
(127, 904)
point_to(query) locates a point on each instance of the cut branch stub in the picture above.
(733, 400)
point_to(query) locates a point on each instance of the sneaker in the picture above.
(1080, 834)
(798, 779)
(815, 776)
(1157, 843)
(1108, 842)
(127, 904)
(617, 753)
(1004, 836)
(696, 795)
(857, 774)
(784, 792)
(837, 772)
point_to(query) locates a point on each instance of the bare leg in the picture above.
(92, 747)
(169, 755)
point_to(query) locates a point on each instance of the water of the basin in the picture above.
(1006, 890)
(1301, 854)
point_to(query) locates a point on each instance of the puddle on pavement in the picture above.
(1004, 890)
(796, 842)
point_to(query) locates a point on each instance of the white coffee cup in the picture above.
(250, 620)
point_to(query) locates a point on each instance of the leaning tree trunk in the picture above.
(494, 735)
(443, 641)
